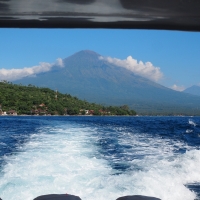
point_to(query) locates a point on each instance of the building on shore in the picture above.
(12, 112)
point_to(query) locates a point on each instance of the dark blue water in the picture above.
(100, 157)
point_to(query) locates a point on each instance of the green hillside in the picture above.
(32, 100)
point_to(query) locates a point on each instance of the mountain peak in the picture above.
(82, 56)
(87, 52)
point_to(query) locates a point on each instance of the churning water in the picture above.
(100, 158)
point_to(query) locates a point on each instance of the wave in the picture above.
(67, 159)
(191, 122)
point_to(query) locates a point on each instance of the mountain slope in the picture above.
(86, 76)
(195, 90)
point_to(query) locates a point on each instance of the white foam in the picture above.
(189, 131)
(192, 122)
(61, 160)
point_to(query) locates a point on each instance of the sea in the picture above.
(99, 158)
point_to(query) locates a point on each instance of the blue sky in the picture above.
(176, 53)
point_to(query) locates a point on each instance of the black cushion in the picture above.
(58, 197)
(137, 197)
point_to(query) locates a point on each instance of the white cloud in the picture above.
(146, 70)
(15, 74)
(59, 62)
(178, 88)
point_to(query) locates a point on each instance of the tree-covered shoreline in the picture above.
(32, 100)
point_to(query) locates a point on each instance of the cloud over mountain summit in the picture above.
(146, 70)
(16, 74)
(140, 68)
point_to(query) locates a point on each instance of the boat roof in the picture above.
(129, 14)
